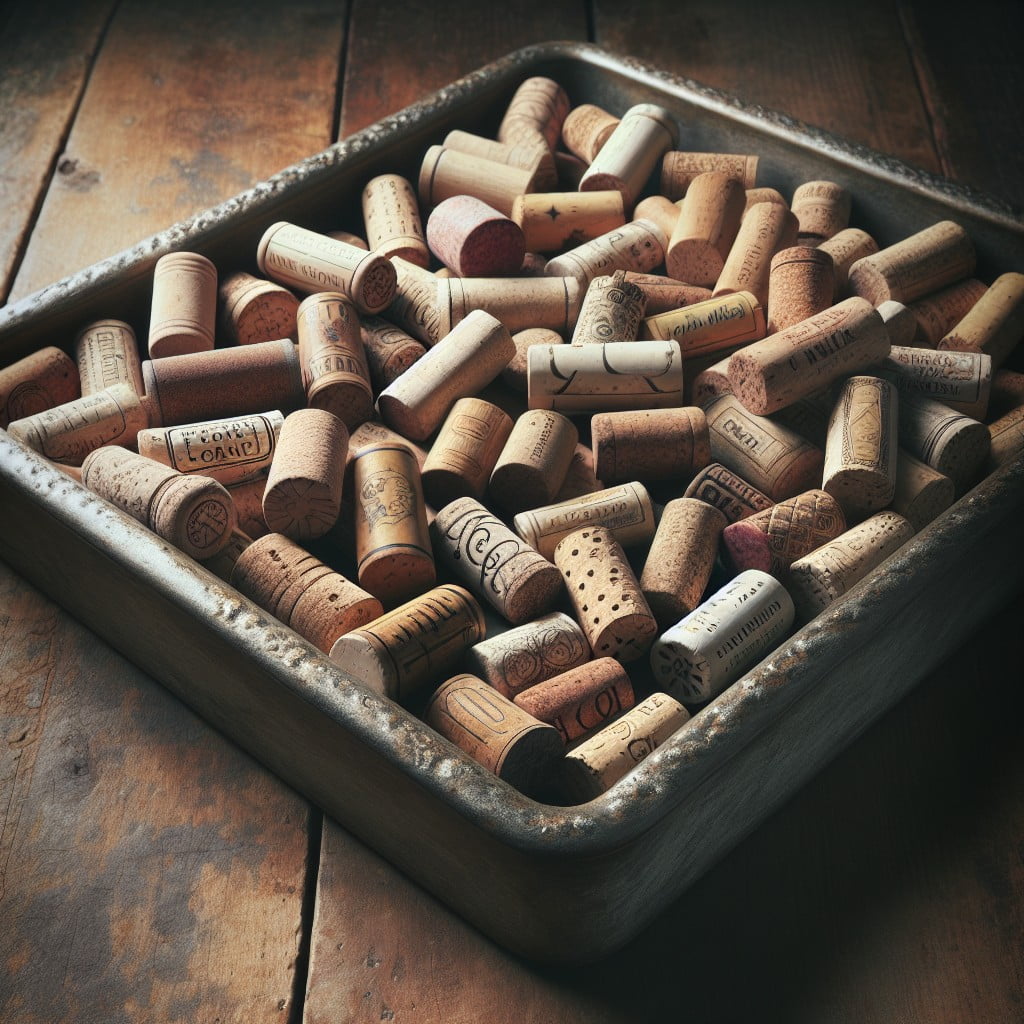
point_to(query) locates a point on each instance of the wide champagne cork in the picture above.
(470, 356)
(586, 129)
(601, 760)
(638, 245)
(678, 169)
(922, 493)
(1007, 439)
(728, 492)
(625, 511)
(229, 450)
(107, 353)
(665, 294)
(493, 731)
(475, 548)
(765, 229)
(809, 356)
(254, 310)
(824, 575)
(467, 447)
(474, 239)
(605, 594)
(900, 323)
(553, 221)
(38, 382)
(1007, 392)
(296, 587)
(995, 323)
(389, 350)
(707, 227)
(538, 107)
(846, 247)
(612, 310)
(531, 154)
(801, 283)
(581, 478)
(69, 432)
(392, 219)
(681, 558)
(659, 209)
(194, 513)
(311, 262)
(822, 208)
(183, 314)
(519, 303)
(445, 173)
(580, 700)
(514, 375)
(926, 261)
(395, 561)
(650, 444)
(961, 380)
(938, 312)
(722, 638)
(860, 451)
(414, 308)
(416, 645)
(532, 465)
(710, 326)
(575, 379)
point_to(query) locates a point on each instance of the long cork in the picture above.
(474, 239)
(519, 303)
(922, 493)
(678, 169)
(612, 310)
(728, 492)
(765, 229)
(710, 326)
(650, 444)
(961, 380)
(532, 465)
(183, 314)
(389, 350)
(638, 245)
(107, 353)
(392, 218)
(414, 308)
(801, 283)
(995, 323)
(553, 221)
(38, 382)
(822, 208)
(586, 129)
(529, 154)
(445, 173)
(938, 312)
(707, 227)
(514, 374)
(539, 106)
(254, 310)
(846, 247)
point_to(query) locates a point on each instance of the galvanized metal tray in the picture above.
(552, 883)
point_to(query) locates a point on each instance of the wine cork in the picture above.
(40, 381)
(940, 311)
(392, 219)
(518, 302)
(601, 760)
(679, 169)
(445, 173)
(632, 151)
(995, 323)
(538, 107)
(659, 209)
(763, 195)
(416, 645)
(530, 153)
(531, 466)
(311, 262)
(254, 310)
(650, 444)
(722, 638)
(514, 375)
(225, 382)
(681, 558)
(553, 221)
(926, 261)
(728, 492)
(822, 208)
(415, 306)
(846, 247)
(586, 129)
(625, 511)
(229, 450)
(580, 700)
(605, 594)
(223, 563)
(70, 431)
(1006, 439)
(860, 452)
(922, 493)
(395, 561)
(248, 499)
(638, 245)
(961, 380)
(612, 310)
(194, 513)
(709, 326)
(665, 294)
(467, 447)
(576, 379)
(800, 360)
(1007, 392)
(493, 731)
(801, 283)
(900, 323)
(372, 432)
(471, 355)
(183, 313)
(765, 229)
(107, 353)
(473, 239)
(827, 573)
(296, 587)
(581, 478)
(707, 227)
(389, 350)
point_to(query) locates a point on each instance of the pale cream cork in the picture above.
(612, 310)
(922, 493)
(659, 209)
(801, 283)
(415, 307)
(995, 323)
(107, 353)
(253, 309)
(40, 381)
(539, 106)
(938, 312)
(706, 229)
(650, 444)
(392, 219)
(473, 239)
(183, 314)
(822, 208)
(665, 294)
(720, 487)
(638, 245)
(534, 460)
(518, 302)
(715, 324)
(678, 169)
(445, 173)
(765, 229)
(961, 380)
(586, 129)
(530, 154)
(389, 350)
(553, 221)
(846, 247)
(514, 375)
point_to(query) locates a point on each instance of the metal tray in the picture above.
(552, 883)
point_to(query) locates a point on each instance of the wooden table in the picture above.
(150, 871)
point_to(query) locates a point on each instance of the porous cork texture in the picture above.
(822, 208)
(534, 460)
(612, 310)
(939, 312)
(586, 129)
(514, 374)
(994, 324)
(389, 350)
(529, 154)
(445, 173)
(665, 294)
(708, 224)
(107, 353)
(846, 247)
(183, 311)
(801, 283)
(518, 302)
(255, 310)
(474, 239)
(40, 381)
(728, 492)
(539, 106)
(392, 219)
(678, 169)
(650, 444)
(962, 380)
(637, 246)
(766, 229)
(922, 493)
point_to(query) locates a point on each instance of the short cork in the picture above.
(183, 313)
(801, 283)
(474, 239)
(254, 310)
(534, 460)
(708, 224)
(40, 381)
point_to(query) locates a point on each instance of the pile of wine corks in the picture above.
(562, 438)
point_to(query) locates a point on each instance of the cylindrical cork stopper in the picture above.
(581, 478)
(794, 363)
(303, 495)
(477, 549)
(650, 444)
(294, 586)
(846, 247)
(605, 594)
(538, 107)
(822, 208)
(1007, 439)
(580, 700)
(531, 154)
(519, 303)
(183, 315)
(665, 294)
(939, 312)
(552, 221)
(775, 538)
(922, 263)
(961, 380)
(514, 375)
(922, 493)
(801, 283)
(819, 578)
(860, 451)
(414, 308)
(194, 513)
(445, 173)
(626, 511)
(995, 324)
(311, 262)
(38, 382)
(679, 169)
(254, 310)
(662, 211)
(709, 326)
(765, 229)
(534, 460)
(416, 645)
(721, 639)
(728, 492)
(493, 731)
(681, 558)
(612, 310)
(601, 760)
(474, 239)
(107, 353)
(334, 368)
(900, 322)
(586, 129)
(467, 447)
(389, 350)
(638, 245)
(470, 356)
(395, 561)
(764, 195)
(392, 218)
(707, 227)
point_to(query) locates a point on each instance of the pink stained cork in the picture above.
(474, 239)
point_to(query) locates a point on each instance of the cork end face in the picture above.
(747, 383)
(533, 760)
(626, 638)
(682, 674)
(534, 594)
(197, 515)
(695, 261)
(396, 576)
(373, 284)
(861, 492)
(361, 659)
(964, 455)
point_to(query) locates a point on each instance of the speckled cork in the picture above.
(40, 381)
(514, 374)
(553, 221)
(581, 478)
(638, 245)
(707, 227)
(474, 239)
(995, 323)
(1007, 392)
(659, 209)
(586, 129)
(534, 460)
(650, 444)
(846, 247)
(107, 353)
(765, 229)
(414, 307)
(822, 208)
(940, 311)
(392, 219)
(665, 294)
(728, 492)
(922, 493)
(761, 194)
(801, 283)
(1007, 438)
(900, 322)
(678, 169)
(253, 309)
(612, 310)
(183, 312)
(389, 350)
